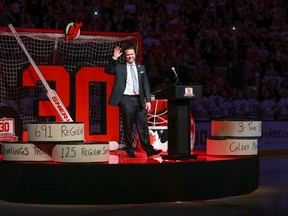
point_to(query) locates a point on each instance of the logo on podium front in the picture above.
(189, 92)
(7, 129)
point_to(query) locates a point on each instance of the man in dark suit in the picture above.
(131, 92)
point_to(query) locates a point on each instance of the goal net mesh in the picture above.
(51, 48)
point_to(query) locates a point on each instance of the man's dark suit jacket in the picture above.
(120, 72)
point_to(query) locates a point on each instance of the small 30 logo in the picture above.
(7, 129)
(72, 30)
(188, 92)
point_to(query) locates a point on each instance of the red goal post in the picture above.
(49, 47)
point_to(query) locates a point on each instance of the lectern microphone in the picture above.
(175, 73)
(176, 76)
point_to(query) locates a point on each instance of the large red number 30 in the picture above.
(80, 81)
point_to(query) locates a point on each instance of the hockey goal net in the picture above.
(48, 47)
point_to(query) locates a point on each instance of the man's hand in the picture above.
(117, 52)
(148, 106)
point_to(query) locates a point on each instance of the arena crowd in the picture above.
(236, 49)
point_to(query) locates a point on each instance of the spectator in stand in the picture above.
(240, 106)
(172, 5)
(7, 15)
(267, 105)
(284, 86)
(272, 80)
(33, 8)
(253, 103)
(207, 46)
(227, 105)
(251, 64)
(215, 103)
(150, 41)
(129, 23)
(282, 106)
(15, 9)
(200, 106)
(263, 53)
(200, 109)
(154, 76)
(27, 22)
(49, 19)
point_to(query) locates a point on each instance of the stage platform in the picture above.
(125, 180)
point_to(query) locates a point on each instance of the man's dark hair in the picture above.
(129, 47)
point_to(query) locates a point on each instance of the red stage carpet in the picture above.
(125, 180)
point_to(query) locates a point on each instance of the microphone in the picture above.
(176, 75)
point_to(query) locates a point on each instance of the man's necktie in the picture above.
(134, 79)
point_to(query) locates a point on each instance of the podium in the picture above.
(179, 137)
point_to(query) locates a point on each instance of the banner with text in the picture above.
(274, 135)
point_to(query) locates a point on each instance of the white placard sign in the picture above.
(232, 146)
(79, 153)
(23, 152)
(55, 132)
(236, 128)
